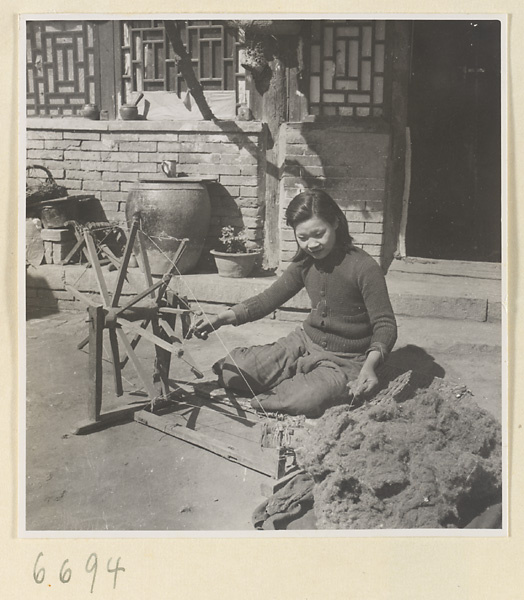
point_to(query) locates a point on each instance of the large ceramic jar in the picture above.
(171, 209)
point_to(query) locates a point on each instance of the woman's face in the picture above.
(316, 237)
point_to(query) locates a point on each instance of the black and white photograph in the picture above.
(264, 265)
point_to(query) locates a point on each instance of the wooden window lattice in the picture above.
(347, 68)
(149, 63)
(346, 64)
(61, 67)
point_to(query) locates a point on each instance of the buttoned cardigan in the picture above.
(350, 306)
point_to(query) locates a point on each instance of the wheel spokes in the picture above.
(148, 384)
(125, 262)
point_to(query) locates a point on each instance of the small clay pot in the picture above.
(129, 112)
(238, 264)
(91, 111)
(244, 113)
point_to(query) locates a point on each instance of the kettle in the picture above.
(169, 167)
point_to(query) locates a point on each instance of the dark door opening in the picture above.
(454, 115)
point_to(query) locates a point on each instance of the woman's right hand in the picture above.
(206, 324)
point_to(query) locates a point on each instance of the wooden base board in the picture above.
(233, 438)
(112, 417)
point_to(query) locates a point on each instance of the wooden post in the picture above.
(96, 329)
(270, 104)
(274, 107)
(107, 47)
(396, 85)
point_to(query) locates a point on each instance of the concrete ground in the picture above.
(131, 477)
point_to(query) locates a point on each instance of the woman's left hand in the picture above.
(366, 382)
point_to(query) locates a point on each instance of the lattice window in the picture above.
(347, 68)
(61, 67)
(149, 63)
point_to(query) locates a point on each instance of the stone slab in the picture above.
(57, 235)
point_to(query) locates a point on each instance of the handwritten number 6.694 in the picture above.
(66, 572)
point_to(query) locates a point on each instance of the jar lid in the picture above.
(178, 179)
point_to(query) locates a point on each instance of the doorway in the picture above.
(454, 117)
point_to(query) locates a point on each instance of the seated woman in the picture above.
(350, 330)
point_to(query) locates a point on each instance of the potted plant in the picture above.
(236, 256)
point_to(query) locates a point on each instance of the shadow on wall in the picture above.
(347, 159)
(91, 210)
(228, 210)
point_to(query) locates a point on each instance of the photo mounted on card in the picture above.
(264, 272)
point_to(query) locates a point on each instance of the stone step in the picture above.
(412, 294)
(444, 296)
(449, 268)
(415, 295)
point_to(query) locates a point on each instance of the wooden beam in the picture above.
(174, 311)
(145, 333)
(115, 355)
(401, 248)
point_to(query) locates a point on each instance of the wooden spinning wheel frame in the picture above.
(156, 308)
(150, 315)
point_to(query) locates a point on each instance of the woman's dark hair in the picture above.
(317, 203)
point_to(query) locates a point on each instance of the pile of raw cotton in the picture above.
(430, 460)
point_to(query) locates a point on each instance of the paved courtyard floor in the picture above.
(133, 478)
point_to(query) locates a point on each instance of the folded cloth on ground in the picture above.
(289, 504)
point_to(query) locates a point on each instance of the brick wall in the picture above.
(349, 162)
(106, 158)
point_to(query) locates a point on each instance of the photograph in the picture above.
(264, 268)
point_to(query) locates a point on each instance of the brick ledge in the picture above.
(81, 124)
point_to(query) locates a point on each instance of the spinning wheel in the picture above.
(149, 315)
